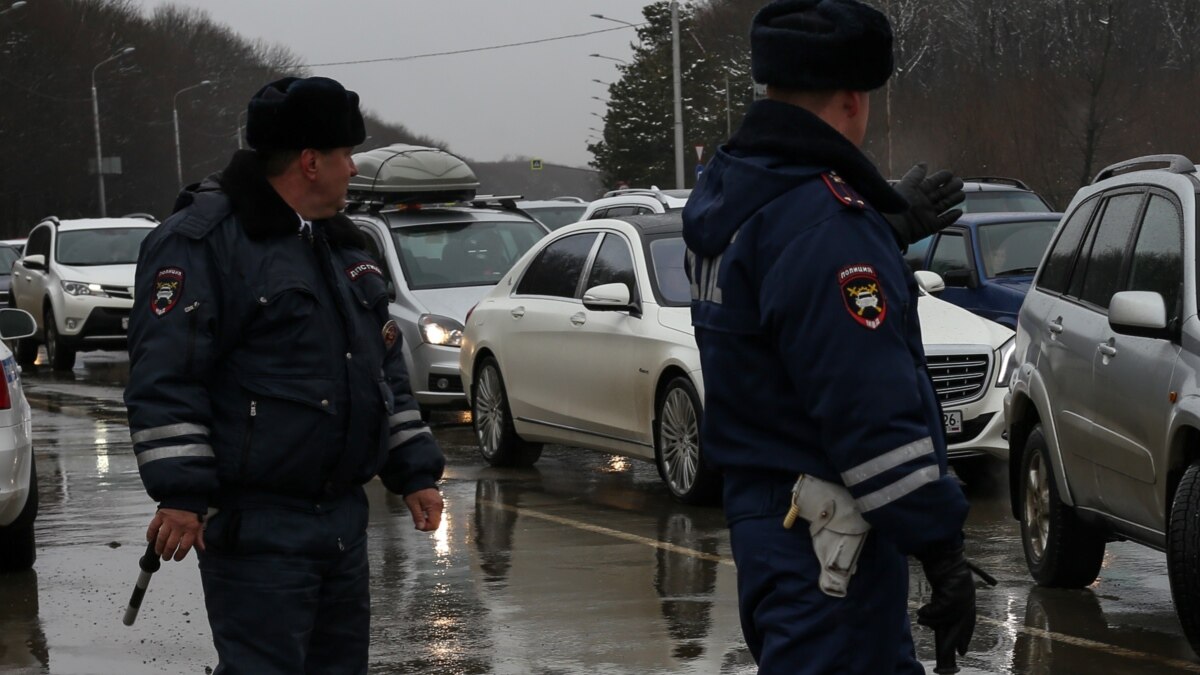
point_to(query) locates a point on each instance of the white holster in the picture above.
(838, 530)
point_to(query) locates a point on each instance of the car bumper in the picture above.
(435, 379)
(983, 428)
(89, 323)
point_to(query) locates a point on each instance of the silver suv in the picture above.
(439, 248)
(1103, 412)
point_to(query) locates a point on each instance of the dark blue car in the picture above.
(987, 260)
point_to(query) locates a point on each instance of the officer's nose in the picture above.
(353, 168)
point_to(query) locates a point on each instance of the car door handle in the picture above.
(1107, 349)
(579, 318)
(518, 312)
(1056, 326)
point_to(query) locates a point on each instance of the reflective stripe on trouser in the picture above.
(793, 628)
(282, 596)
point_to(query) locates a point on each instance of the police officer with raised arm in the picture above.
(818, 408)
(267, 385)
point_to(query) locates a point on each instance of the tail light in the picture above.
(5, 397)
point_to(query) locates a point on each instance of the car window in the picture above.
(475, 253)
(1003, 201)
(8, 255)
(613, 265)
(555, 217)
(666, 258)
(557, 268)
(1101, 278)
(100, 246)
(39, 242)
(950, 254)
(1157, 263)
(1010, 249)
(915, 255)
(598, 214)
(616, 211)
(1057, 270)
(375, 249)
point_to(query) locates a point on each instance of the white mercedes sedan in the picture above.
(587, 342)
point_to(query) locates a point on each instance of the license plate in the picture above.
(952, 420)
(124, 323)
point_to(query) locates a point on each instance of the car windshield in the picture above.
(101, 246)
(1014, 249)
(555, 217)
(8, 255)
(666, 256)
(446, 255)
(1003, 201)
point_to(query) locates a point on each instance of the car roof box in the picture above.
(400, 173)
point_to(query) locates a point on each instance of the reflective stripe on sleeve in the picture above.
(405, 435)
(169, 451)
(889, 460)
(887, 495)
(169, 431)
(404, 416)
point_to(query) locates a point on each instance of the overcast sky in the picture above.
(533, 100)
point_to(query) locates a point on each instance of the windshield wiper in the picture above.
(1017, 272)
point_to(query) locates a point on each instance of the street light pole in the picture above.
(96, 122)
(610, 58)
(678, 96)
(175, 116)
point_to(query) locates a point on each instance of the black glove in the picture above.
(931, 201)
(950, 611)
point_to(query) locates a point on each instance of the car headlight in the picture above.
(81, 288)
(1008, 360)
(440, 330)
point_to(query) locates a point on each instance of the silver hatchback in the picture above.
(1103, 412)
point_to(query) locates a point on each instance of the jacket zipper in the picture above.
(191, 341)
(249, 438)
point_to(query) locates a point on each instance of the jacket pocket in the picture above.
(291, 424)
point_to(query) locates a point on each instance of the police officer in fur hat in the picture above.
(819, 411)
(267, 386)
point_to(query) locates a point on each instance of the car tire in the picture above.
(1183, 554)
(60, 356)
(1061, 550)
(26, 351)
(677, 445)
(493, 422)
(17, 546)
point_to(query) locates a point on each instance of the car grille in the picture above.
(958, 378)
(123, 292)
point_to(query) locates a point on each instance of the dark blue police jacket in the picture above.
(806, 320)
(262, 364)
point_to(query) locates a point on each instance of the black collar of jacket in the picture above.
(774, 128)
(263, 213)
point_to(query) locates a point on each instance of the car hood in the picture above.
(451, 302)
(1019, 284)
(945, 324)
(108, 275)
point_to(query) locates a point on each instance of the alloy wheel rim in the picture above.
(680, 438)
(489, 413)
(1037, 506)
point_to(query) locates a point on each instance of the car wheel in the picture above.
(17, 550)
(61, 357)
(677, 445)
(498, 440)
(1183, 554)
(26, 351)
(1060, 549)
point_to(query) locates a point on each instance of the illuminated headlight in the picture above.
(1008, 361)
(80, 288)
(440, 330)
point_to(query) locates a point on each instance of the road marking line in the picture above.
(681, 550)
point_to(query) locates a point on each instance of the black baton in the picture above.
(947, 662)
(149, 564)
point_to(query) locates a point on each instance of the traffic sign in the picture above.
(535, 165)
(699, 153)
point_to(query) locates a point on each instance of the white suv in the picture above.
(636, 202)
(1104, 409)
(76, 279)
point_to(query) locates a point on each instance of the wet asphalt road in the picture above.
(580, 565)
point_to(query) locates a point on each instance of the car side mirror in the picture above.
(930, 282)
(962, 278)
(34, 262)
(1139, 313)
(607, 298)
(391, 291)
(16, 324)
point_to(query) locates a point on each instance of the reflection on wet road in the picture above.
(582, 564)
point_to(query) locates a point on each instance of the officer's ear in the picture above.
(309, 161)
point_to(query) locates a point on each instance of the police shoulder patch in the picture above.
(391, 333)
(168, 288)
(356, 270)
(842, 191)
(862, 294)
